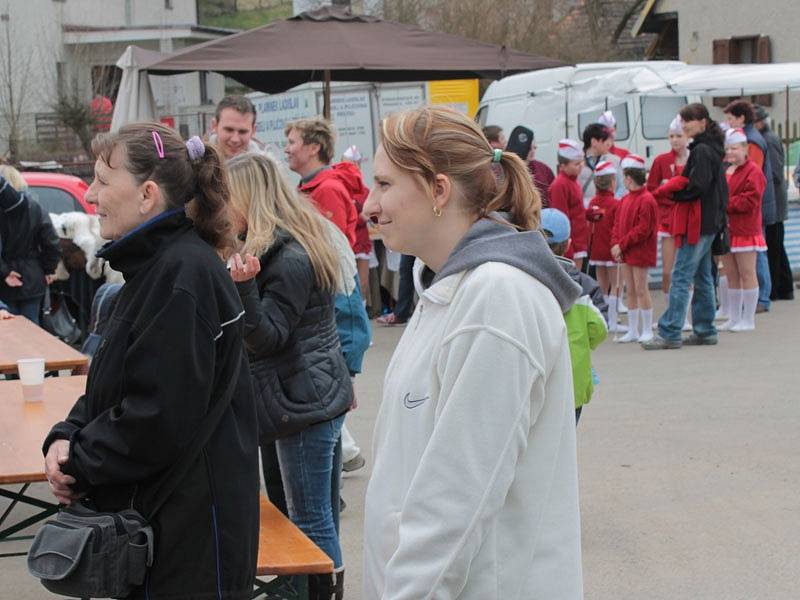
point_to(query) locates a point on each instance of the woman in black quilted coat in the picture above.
(287, 281)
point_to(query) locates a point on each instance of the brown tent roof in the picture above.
(281, 55)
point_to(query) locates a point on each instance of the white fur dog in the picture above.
(84, 231)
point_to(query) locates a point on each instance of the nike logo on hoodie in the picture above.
(410, 404)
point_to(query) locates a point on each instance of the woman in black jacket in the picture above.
(287, 282)
(699, 217)
(29, 249)
(172, 350)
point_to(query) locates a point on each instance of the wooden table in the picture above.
(20, 338)
(23, 427)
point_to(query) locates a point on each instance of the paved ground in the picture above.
(690, 477)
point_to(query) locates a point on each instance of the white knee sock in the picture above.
(633, 326)
(647, 324)
(687, 323)
(748, 318)
(734, 309)
(611, 301)
(723, 298)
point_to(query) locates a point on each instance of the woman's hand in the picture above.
(244, 269)
(57, 455)
(616, 252)
(14, 279)
(49, 279)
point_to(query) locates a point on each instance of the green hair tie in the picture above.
(498, 154)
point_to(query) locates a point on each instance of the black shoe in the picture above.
(760, 308)
(698, 340)
(342, 505)
(659, 343)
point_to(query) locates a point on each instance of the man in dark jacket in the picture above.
(29, 250)
(779, 267)
(702, 204)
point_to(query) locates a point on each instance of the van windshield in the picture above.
(657, 114)
(620, 111)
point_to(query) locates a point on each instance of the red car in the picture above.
(58, 193)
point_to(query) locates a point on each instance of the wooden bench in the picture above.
(285, 552)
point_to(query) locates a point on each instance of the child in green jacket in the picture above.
(586, 326)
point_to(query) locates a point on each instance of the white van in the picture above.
(561, 102)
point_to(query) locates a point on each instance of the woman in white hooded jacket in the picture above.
(474, 492)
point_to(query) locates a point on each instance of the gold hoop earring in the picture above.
(437, 212)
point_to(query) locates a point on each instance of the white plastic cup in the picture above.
(31, 376)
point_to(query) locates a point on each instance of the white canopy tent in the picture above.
(135, 101)
(729, 80)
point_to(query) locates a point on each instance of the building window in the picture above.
(753, 49)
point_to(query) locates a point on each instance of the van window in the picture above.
(480, 118)
(620, 114)
(657, 114)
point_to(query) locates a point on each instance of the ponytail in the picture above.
(516, 194)
(208, 208)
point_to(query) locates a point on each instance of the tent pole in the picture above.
(786, 129)
(326, 110)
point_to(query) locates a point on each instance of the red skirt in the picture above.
(748, 243)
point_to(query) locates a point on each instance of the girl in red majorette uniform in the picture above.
(746, 184)
(634, 241)
(601, 215)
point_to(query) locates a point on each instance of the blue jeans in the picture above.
(27, 308)
(311, 466)
(692, 265)
(764, 279)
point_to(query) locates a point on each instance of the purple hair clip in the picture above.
(195, 147)
(159, 144)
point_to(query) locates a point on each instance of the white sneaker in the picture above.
(628, 338)
(742, 326)
(727, 325)
(646, 337)
(719, 315)
(687, 326)
(618, 328)
(622, 309)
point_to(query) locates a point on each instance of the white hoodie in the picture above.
(474, 492)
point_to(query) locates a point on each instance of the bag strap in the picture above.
(176, 473)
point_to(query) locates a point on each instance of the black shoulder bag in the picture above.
(88, 554)
(60, 321)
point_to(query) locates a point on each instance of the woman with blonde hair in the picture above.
(474, 491)
(287, 278)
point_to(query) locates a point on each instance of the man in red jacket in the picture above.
(309, 150)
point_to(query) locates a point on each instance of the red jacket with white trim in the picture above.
(636, 228)
(601, 237)
(663, 169)
(745, 190)
(566, 195)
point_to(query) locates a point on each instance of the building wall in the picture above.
(115, 13)
(39, 54)
(702, 22)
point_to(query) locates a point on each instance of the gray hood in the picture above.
(489, 240)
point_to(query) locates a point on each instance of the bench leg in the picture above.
(282, 588)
